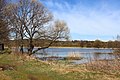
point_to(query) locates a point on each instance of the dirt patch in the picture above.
(31, 77)
(7, 67)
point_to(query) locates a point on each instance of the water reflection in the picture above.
(88, 54)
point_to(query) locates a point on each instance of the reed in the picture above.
(74, 56)
(108, 66)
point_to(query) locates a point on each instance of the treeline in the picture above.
(88, 44)
(74, 43)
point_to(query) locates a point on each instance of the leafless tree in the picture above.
(4, 30)
(31, 20)
(57, 31)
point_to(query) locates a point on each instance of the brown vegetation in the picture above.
(74, 56)
(4, 29)
(111, 67)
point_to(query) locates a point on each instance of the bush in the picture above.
(117, 53)
(6, 51)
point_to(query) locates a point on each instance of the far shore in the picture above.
(71, 47)
(77, 47)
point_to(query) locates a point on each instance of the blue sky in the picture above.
(88, 19)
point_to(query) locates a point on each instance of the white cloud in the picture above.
(98, 20)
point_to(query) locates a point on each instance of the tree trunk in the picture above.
(31, 47)
(43, 47)
(21, 46)
(21, 49)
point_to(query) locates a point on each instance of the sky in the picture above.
(88, 19)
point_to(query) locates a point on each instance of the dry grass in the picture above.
(74, 56)
(4, 77)
(110, 67)
(32, 69)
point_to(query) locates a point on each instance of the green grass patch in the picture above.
(24, 69)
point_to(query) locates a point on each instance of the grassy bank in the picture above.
(19, 67)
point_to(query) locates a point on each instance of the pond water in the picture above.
(87, 54)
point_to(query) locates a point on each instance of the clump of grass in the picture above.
(31, 77)
(117, 50)
(7, 67)
(98, 53)
(6, 51)
(103, 53)
(109, 67)
(117, 53)
(4, 77)
(73, 56)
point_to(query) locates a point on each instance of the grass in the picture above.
(74, 56)
(31, 69)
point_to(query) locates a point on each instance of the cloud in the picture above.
(99, 19)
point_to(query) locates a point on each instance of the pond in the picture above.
(88, 54)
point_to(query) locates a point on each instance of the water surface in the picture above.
(88, 54)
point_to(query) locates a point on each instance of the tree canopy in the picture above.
(4, 30)
(30, 19)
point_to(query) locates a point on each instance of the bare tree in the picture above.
(31, 20)
(118, 37)
(57, 31)
(4, 30)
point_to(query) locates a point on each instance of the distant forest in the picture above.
(74, 43)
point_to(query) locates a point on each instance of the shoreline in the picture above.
(77, 47)
(72, 47)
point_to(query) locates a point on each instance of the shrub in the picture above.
(6, 51)
(117, 53)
